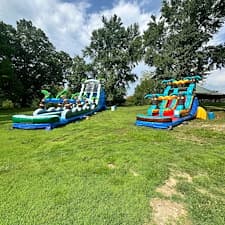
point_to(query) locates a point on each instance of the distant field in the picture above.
(106, 171)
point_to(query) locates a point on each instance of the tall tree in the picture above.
(36, 61)
(114, 51)
(57, 74)
(8, 85)
(177, 43)
(80, 70)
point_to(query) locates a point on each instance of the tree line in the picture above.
(177, 44)
(27, 62)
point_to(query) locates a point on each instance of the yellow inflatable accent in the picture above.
(175, 83)
(186, 81)
(160, 98)
(180, 82)
(172, 97)
(168, 97)
(201, 113)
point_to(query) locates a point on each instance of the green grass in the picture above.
(105, 170)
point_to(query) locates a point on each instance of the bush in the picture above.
(130, 101)
(7, 104)
(35, 103)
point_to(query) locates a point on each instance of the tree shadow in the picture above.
(6, 115)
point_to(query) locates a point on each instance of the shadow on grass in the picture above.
(215, 108)
(6, 114)
(5, 119)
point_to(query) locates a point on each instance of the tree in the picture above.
(114, 51)
(177, 43)
(8, 85)
(36, 61)
(28, 60)
(80, 70)
(147, 85)
(59, 70)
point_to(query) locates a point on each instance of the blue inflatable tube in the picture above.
(58, 100)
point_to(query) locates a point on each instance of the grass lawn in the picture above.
(105, 170)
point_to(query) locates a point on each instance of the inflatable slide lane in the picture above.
(89, 100)
(175, 105)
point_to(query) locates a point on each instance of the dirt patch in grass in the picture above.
(169, 188)
(218, 126)
(168, 212)
(214, 127)
(183, 175)
(192, 138)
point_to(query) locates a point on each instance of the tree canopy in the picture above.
(28, 61)
(177, 43)
(114, 50)
(147, 85)
(7, 51)
(79, 71)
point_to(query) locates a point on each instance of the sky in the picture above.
(69, 24)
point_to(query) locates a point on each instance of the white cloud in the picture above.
(129, 12)
(67, 24)
(219, 37)
(64, 25)
(62, 22)
(216, 81)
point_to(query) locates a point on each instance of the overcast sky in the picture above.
(69, 23)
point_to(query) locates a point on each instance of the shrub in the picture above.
(130, 101)
(35, 103)
(7, 104)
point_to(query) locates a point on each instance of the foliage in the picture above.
(28, 61)
(6, 40)
(176, 43)
(80, 70)
(114, 51)
(129, 101)
(105, 170)
(7, 104)
(37, 61)
(8, 86)
(35, 103)
(147, 85)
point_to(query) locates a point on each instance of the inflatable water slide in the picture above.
(175, 105)
(89, 100)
